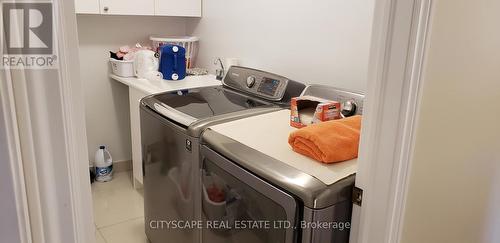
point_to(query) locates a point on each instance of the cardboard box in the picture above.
(307, 110)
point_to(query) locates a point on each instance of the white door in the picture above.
(127, 7)
(190, 8)
(87, 6)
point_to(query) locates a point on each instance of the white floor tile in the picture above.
(121, 180)
(116, 201)
(131, 231)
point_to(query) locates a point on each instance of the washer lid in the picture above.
(197, 104)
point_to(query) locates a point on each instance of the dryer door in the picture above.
(240, 207)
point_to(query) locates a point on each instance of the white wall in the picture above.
(107, 105)
(454, 190)
(323, 41)
(326, 42)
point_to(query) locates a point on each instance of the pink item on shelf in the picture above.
(127, 53)
(120, 54)
(124, 49)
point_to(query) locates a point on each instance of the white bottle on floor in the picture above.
(103, 165)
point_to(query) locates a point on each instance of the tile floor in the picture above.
(118, 211)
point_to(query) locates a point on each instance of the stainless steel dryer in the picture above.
(171, 125)
(289, 202)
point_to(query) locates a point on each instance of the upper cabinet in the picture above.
(127, 7)
(87, 6)
(187, 8)
(191, 8)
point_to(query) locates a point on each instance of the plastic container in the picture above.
(103, 165)
(190, 43)
(146, 64)
(172, 64)
(214, 210)
(122, 68)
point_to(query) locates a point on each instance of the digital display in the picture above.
(268, 86)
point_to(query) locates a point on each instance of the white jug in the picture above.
(103, 165)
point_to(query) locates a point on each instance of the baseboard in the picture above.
(137, 185)
(121, 166)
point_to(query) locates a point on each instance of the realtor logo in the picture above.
(27, 37)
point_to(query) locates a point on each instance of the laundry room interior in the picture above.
(325, 43)
(262, 121)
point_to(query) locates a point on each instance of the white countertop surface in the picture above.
(269, 135)
(158, 86)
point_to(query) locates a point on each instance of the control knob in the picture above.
(251, 81)
(349, 108)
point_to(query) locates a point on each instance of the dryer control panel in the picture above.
(351, 101)
(259, 83)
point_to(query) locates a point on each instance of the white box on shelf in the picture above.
(122, 68)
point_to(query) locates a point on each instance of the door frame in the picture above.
(400, 34)
(11, 145)
(73, 104)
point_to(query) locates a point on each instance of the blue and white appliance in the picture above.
(173, 62)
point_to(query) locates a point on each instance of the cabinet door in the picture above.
(190, 8)
(87, 6)
(128, 7)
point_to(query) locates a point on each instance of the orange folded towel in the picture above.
(328, 142)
